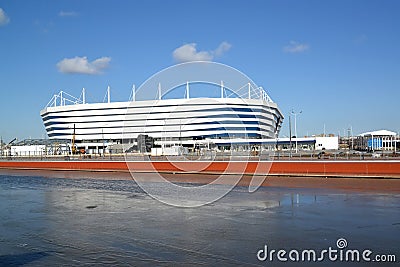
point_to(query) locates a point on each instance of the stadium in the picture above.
(184, 114)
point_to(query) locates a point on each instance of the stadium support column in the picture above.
(222, 89)
(159, 91)
(187, 90)
(83, 96)
(133, 93)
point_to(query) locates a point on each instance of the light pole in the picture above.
(352, 137)
(290, 136)
(295, 125)
(102, 135)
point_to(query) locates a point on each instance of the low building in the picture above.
(37, 147)
(28, 150)
(377, 140)
(327, 143)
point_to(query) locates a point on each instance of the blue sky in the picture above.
(337, 61)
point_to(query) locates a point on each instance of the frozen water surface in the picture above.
(74, 222)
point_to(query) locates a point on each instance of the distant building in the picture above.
(28, 150)
(37, 147)
(327, 143)
(377, 140)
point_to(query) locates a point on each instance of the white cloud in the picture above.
(188, 52)
(4, 19)
(67, 14)
(83, 66)
(295, 47)
(222, 48)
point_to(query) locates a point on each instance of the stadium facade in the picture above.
(186, 119)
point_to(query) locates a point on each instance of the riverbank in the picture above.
(320, 168)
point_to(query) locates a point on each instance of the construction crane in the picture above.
(7, 147)
(11, 142)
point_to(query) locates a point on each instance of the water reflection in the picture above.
(297, 199)
(100, 222)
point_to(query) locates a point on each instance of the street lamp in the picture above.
(102, 136)
(295, 126)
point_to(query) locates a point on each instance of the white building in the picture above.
(327, 143)
(378, 140)
(28, 150)
(97, 125)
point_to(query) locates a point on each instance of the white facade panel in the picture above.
(172, 118)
